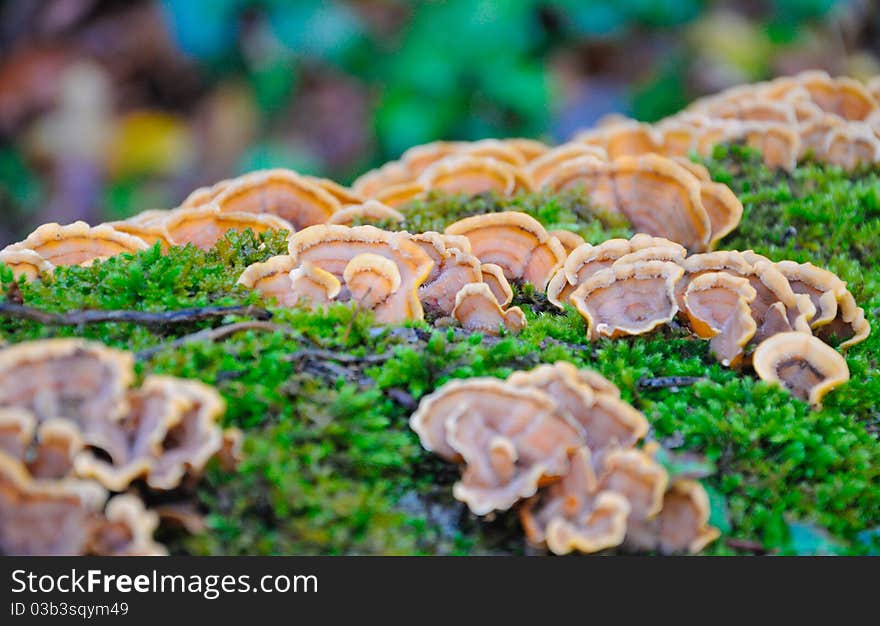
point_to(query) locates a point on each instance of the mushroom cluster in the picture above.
(558, 444)
(658, 195)
(396, 275)
(833, 120)
(74, 432)
(734, 299)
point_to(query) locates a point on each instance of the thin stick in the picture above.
(146, 318)
(212, 334)
(315, 354)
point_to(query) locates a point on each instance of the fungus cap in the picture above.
(628, 299)
(282, 193)
(78, 243)
(802, 363)
(205, 225)
(371, 279)
(516, 242)
(371, 210)
(66, 378)
(469, 175)
(332, 247)
(477, 309)
(25, 262)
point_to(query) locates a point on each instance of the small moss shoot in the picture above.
(331, 466)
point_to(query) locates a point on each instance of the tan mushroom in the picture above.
(569, 240)
(585, 260)
(343, 194)
(453, 269)
(682, 525)
(849, 324)
(271, 278)
(850, 145)
(628, 299)
(45, 517)
(370, 183)
(572, 514)
(541, 168)
(493, 275)
(509, 439)
(396, 196)
(331, 248)
(282, 193)
(658, 196)
(516, 242)
(477, 309)
(718, 306)
(589, 400)
(205, 225)
(371, 210)
(126, 529)
(25, 263)
(78, 243)
(81, 381)
(824, 289)
(469, 175)
(802, 363)
(529, 149)
(151, 233)
(371, 280)
(845, 97)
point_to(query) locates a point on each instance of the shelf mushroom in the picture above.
(628, 299)
(78, 243)
(516, 242)
(802, 363)
(203, 226)
(477, 308)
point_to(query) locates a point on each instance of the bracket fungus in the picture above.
(628, 299)
(585, 260)
(477, 308)
(203, 226)
(283, 193)
(73, 432)
(27, 263)
(516, 242)
(371, 210)
(371, 280)
(73, 379)
(802, 363)
(590, 400)
(78, 243)
(509, 439)
(657, 195)
(469, 175)
(718, 307)
(573, 514)
(569, 240)
(493, 275)
(331, 248)
(453, 269)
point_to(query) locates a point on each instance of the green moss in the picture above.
(332, 467)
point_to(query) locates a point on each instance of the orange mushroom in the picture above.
(477, 308)
(25, 263)
(717, 305)
(802, 363)
(204, 226)
(78, 243)
(514, 241)
(628, 299)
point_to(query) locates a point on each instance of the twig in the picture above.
(310, 354)
(146, 318)
(663, 382)
(212, 334)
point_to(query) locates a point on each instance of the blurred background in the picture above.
(109, 107)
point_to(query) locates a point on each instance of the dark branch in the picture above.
(145, 318)
(664, 382)
(213, 334)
